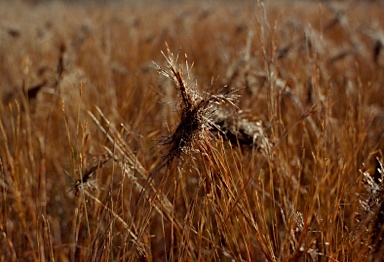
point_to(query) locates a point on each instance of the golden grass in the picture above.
(260, 140)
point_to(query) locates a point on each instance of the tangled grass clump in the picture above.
(239, 130)
(197, 112)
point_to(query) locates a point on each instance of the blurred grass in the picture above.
(84, 108)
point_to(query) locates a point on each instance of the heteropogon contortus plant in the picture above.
(239, 130)
(87, 181)
(372, 214)
(203, 115)
(196, 111)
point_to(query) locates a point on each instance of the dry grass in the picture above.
(264, 144)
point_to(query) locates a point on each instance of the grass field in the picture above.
(191, 131)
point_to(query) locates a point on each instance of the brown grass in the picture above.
(265, 143)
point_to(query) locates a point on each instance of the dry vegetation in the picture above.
(263, 143)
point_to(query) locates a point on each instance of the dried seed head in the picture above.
(196, 111)
(238, 129)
